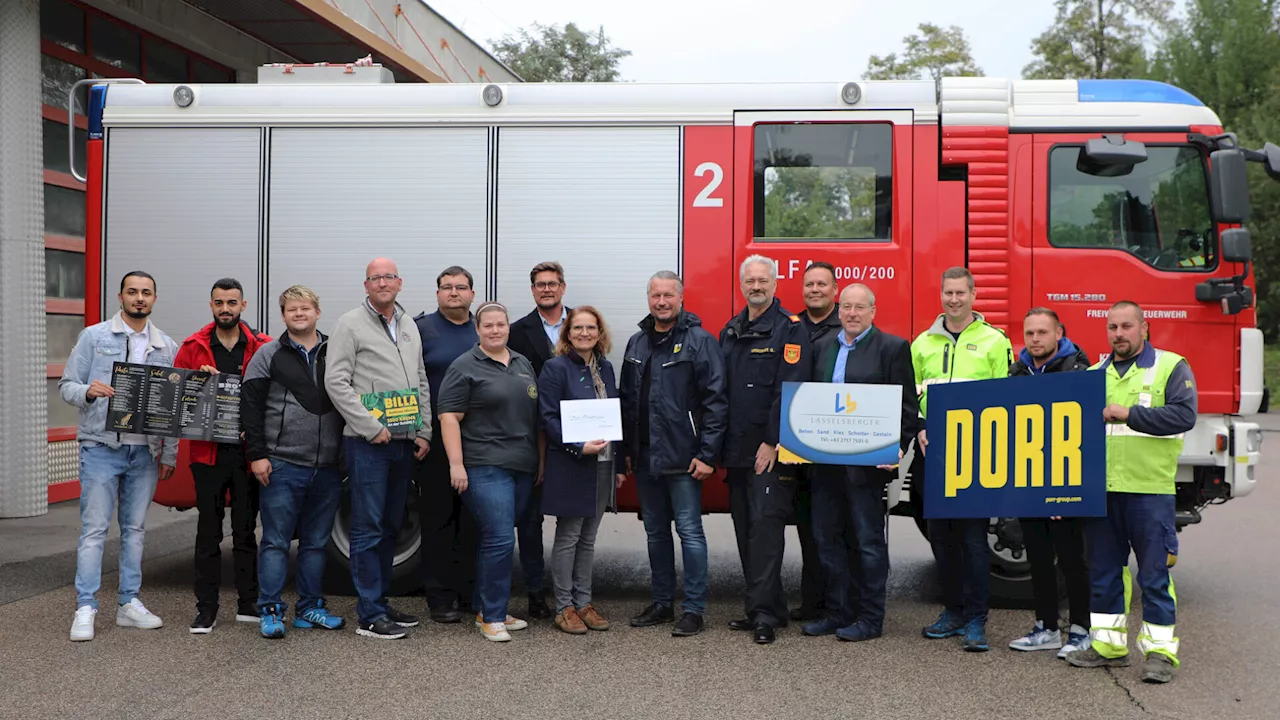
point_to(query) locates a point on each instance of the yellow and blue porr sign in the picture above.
(1017, 447)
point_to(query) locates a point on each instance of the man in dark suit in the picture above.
(534, 336)
(859, 353)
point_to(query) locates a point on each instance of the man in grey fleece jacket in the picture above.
(376, 350)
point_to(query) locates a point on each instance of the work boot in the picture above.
(1157, 668)
(1089, 658)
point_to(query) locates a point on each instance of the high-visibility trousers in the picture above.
(1144, 524)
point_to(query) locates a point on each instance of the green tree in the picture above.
(1227, 53)
(933, 53)
(553, 54)
(1098, 39)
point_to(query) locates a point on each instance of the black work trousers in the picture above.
(449, 535)
(229, 473)
(1064, 539)
(761, 505)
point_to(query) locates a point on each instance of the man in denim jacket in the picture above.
(115, 467)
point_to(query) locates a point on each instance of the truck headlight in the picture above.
(1253, 440)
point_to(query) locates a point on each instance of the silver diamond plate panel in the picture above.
(23, 439)
(64, 461)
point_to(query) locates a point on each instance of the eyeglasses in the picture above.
(388, 277)
(860, 308)
(546, 285)
(451, 288)
(584, 328)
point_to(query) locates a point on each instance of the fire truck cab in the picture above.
(1072, 194)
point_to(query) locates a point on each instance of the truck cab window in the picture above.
(823, 181)
(1158, 212)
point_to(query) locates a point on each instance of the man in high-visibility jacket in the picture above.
(1151, 402)
(960, 345)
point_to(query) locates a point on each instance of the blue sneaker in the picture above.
(947, 625)
(825, 626)
(975, 635)
(272, 625)
(858, 632)
(317, 617)
(1038, 639)
(1077, 639)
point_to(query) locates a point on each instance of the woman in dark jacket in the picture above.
(580, 479)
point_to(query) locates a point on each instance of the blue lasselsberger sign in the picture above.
(840, 423)
(1017, 447)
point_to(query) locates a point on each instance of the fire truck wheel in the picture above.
(406, 569)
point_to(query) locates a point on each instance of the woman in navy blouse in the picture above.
(580, 479)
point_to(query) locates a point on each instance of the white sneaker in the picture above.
(135, 614)
(82, 626)
(511, 623)
(496, 632)
(1078, 639)
(1038, 639)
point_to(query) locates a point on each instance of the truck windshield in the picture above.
(1158, 212)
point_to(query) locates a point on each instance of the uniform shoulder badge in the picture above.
(676, 349)
(794, 318)
(791, 353)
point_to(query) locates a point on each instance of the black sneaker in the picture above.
(688, 624)
(655, 614)
(401, 619)
(204, 622)
(539, 609)
(382, 628)
(247, 612)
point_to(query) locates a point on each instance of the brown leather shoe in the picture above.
(593, 618)
(570, 622)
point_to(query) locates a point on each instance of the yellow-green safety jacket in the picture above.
(982, 352)
(1160, 392)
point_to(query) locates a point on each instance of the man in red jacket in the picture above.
(223, 346)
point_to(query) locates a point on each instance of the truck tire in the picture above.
(406, 575)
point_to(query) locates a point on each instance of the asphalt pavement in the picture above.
(1226, 579)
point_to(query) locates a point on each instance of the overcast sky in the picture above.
(784, 40)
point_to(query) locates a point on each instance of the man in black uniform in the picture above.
(820, 320)
(764, 346)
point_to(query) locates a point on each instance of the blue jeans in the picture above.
(379, 477)
(495, 496)
(844, 506)
(126, 475)
(305, 499)
(675, 498)
(960, 548)
(1146, 524)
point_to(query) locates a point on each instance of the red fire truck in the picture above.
(1067, 193)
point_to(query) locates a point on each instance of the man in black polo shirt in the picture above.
(223, 346)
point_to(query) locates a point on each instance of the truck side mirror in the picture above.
(1229, 184)
(1237, 245)
(1272, 154)
(1110, 156)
